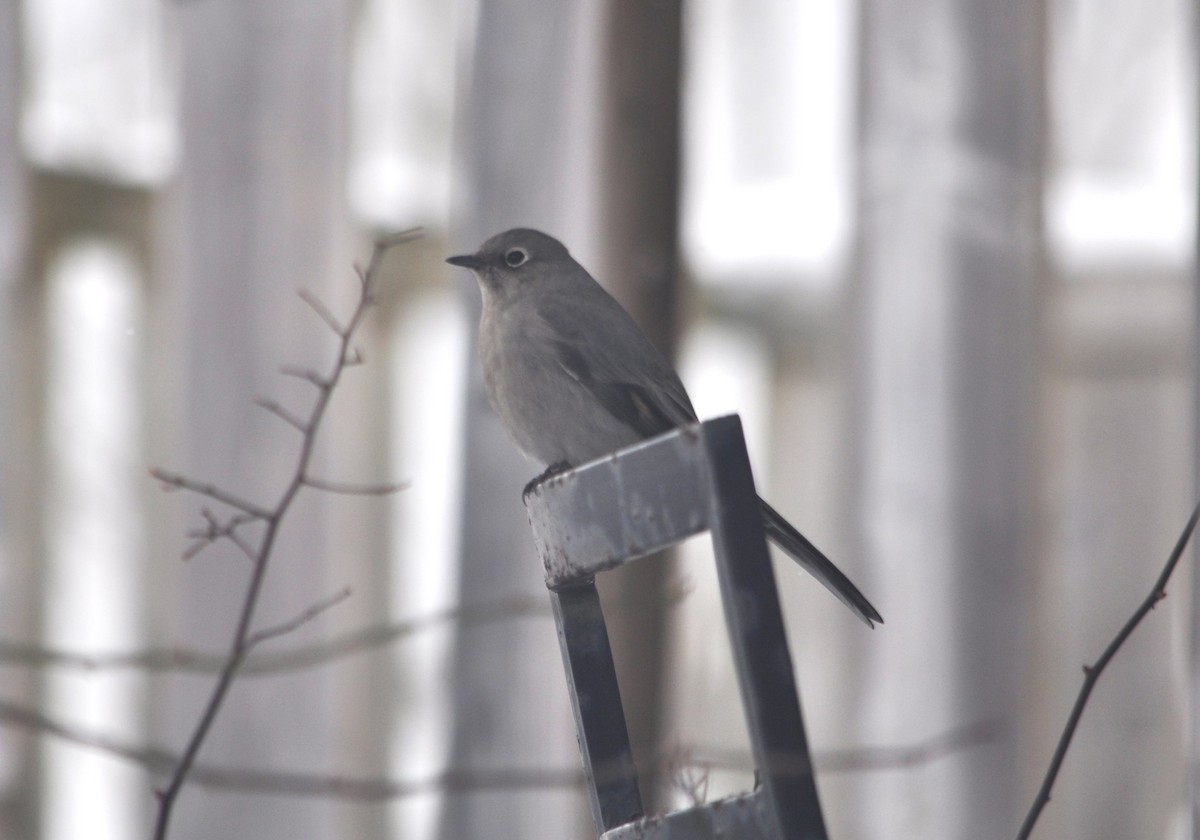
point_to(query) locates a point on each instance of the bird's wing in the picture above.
(657, 403)
(598, 345)
(613, 359)
(649, 406)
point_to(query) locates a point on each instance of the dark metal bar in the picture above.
(596, 702)
(739, 817)
(757, 637)
(620, 508)
(628, 505)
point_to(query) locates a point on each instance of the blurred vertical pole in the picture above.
(1194, 745)
(21, 400)
(638, 232)
(1194, 605)
(523, 85)
(258, 213)
(949, 264)
(366, 691)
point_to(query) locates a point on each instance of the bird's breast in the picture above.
(550, 415)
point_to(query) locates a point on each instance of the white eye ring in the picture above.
(515, 257)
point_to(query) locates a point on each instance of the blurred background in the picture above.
(938, 255)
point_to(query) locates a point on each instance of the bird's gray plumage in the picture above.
(573, 378)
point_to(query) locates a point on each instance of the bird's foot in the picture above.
(550, 471)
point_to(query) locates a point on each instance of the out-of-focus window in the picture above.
(425, 449)
(94, 533)
(402, 95)
(1121, 180)
(101, 95)
(768, 140)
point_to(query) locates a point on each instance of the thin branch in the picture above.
(1091, 675)
(240, 780)
(312, 785)
(193, 550)
(298, 621)
(276, 662)
(386, 241)
(307, 374)
(240, 646)
(318, 306)
(282, 413)
(245, 547)
(860, 759)
(688, 777)
(20, 717)
(377, 636)
(174, 481)
(217, 530)
(354, 489)
(326, 786)
(206, 537)
(918, 753)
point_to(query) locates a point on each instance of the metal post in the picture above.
(756, 632)
(596, 701)
(632, 504)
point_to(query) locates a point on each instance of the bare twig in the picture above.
(282, 413)
(307, 374)
(240, 780)
(242, 635)
(860, 759)
(354, 489)
(383, 243)
(917, 753)
(15, 716)
(686, 775)
(1091, 675)
(217, 530)
(276, 662)
(322, 310)
(375, 789)
(298, 621)
(174, 481)
(245, 547)
(325, 786)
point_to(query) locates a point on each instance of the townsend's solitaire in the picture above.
(573, 378)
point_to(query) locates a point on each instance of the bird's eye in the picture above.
(515, 257)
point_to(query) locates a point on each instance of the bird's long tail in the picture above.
(784, 535)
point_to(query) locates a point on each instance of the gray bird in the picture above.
(573, 378)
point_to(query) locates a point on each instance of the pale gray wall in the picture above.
(996, 442)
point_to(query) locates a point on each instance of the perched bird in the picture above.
(573, 378)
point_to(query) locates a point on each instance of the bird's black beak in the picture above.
(470, 261)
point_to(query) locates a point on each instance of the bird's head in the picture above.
(514, 259)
